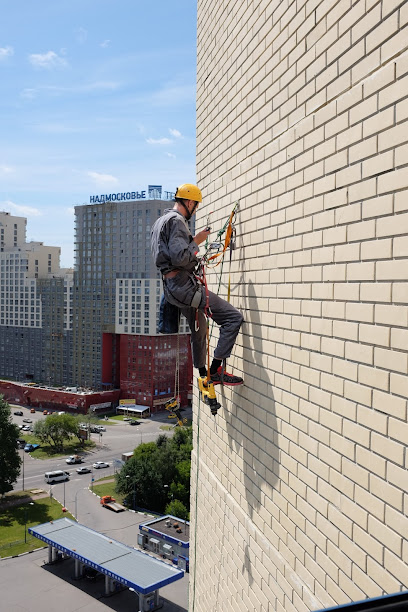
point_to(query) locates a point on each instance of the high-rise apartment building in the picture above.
(299, 489)
(33, 292)
(116, 297)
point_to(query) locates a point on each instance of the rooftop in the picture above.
(126, 565)
(162, 526)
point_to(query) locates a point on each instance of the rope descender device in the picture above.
(173, 406)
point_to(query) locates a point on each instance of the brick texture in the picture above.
(299, 486)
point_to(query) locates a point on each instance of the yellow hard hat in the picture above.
(189, 192)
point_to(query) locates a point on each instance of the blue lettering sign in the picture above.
(155, 192)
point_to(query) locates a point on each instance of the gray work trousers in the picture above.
(223, 313)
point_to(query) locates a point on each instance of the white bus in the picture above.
(57, 476)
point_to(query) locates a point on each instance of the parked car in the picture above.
(18, 412)
(133, 422)
(26, 428)
(30, 447)
(27, 421)
(83, 470)
(21, 443)
(45, 412)
(100, 464)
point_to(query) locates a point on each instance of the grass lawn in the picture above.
(13, 520)
(121, 417)
(188, 423)
(71, 447)
(107, 488)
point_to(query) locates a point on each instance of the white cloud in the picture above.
(6, 169)
(170, 155)
(47, 60)
(175, 133)
(56, 128)
(19, 209)
(174, 95)
(105, 43)
(159, 141)
(29, 93)
(81, 35)
(6, 52)
(102, 179)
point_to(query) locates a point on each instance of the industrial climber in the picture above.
(174, 252)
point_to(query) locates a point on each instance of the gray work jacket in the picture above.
(173, 248)
(172, 244)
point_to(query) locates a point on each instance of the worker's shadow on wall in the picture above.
(251, 419)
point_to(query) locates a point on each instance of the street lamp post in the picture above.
(23, 468)
(25, 521)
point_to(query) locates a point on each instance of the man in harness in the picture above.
(174, 252)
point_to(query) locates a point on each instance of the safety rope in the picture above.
(229, 229)
(196, 502)
(229, 241)
(230, 234)
(177, 371)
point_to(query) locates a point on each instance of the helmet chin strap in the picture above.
(189, 214)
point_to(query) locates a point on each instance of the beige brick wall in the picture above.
(300, 484)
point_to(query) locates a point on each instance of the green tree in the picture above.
(139, 478)
(55, 429)
(178, 509)
(10, 460)
(158, 472)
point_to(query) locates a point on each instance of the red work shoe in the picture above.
(224, 378)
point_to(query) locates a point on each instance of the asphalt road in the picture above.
(76, 495)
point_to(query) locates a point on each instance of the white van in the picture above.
(57, 476)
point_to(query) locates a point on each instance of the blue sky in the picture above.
(97, 96)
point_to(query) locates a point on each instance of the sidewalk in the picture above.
(11, 499)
